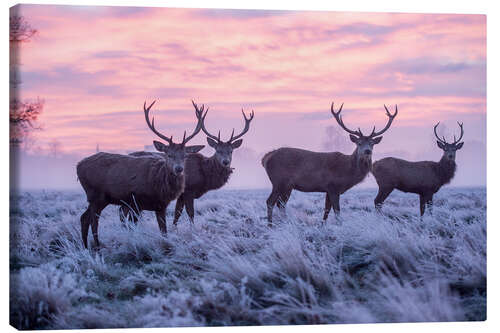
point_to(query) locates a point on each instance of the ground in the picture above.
(230, 268)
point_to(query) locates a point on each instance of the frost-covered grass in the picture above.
(230, 268)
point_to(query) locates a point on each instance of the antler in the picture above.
(200, 118)
(455, 141)
(338, 117)
(437, 136)
(200, 115)
(151, 124)
(245, 129)
(391, 118)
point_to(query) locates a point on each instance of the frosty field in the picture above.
(230, 268)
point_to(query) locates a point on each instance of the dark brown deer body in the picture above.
(204, 174)
(423, 178)
(121, 179)
(307, 171)
(149, 183)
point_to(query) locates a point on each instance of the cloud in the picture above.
(339, 36)
(180, 52)
(426, 77)
(111, 54)
(361, 28)
(169, 92)
(240, 13)
(66, 78)
(425, 65)
(326, 113)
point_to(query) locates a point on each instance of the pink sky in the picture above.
(95, 66)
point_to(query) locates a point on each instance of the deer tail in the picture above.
(266, 158)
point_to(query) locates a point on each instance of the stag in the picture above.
(423, 178)
(146, 183)
(331, 172)
(204, 174)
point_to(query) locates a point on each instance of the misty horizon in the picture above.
(248, 173)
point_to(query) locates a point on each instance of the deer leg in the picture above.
(179, 206)
(190, 208)
(85, 223)
(161, 219)
(422, 205)
(328, 206)
(283, 199)
(383, 193)
(335, 200)
(95, 211)
(271, 201)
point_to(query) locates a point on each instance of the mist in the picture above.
(45, 170)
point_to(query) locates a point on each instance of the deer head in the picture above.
(364, 143)
(450, 149)
(175, 153)
(224, 150)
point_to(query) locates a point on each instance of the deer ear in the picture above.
(440, 145)
(160, 146)
(211, 142)
(377, 140)
(237, 143)
(354, 138)
(194, 149)
(460, 145)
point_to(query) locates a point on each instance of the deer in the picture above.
(333, 173)
(424, 178)
(147, 183)
(203, 174)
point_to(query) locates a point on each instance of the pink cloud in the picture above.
(95, 66)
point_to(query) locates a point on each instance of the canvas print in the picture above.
(217, 167)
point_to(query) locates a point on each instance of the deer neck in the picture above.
(172, 186)
(446, 170)
(360, 165)
(175, 184)
(215, 174)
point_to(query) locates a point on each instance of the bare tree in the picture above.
(23, 115)
(332, 173)
(20, 29)
(423, 178)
